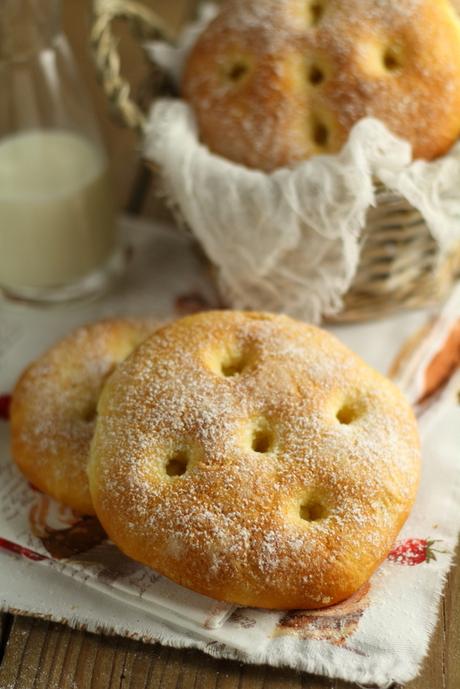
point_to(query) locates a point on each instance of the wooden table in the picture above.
(35, 654)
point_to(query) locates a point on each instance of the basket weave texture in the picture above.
(401, 264)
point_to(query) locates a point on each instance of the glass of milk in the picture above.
(58, 235)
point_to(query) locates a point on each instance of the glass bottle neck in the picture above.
(27, 26)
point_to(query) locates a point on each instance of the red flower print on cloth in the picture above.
(414, 551)
(5, 402)
(20, 550)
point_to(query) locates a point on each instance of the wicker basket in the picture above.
(401, 265)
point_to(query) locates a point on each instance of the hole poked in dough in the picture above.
(393, 58)
(349, 412)
(347, 407)
(236, 69)
(312, 510)
(310, 505)
(313, 505)
(381, 57)
(316, 75)
(177, 463)
(258, 435)
(262, 437)
(90, 413)
(228, 361)
(232, 366)
(316, 11)
(320, 133)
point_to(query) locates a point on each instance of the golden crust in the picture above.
(273, 83)
(254, 459)
(54, 406)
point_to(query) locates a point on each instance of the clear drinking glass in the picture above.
(58, 235)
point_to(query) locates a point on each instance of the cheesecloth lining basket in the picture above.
(401, 264)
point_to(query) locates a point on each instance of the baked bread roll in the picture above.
(254, 459)
(273, 83)
(53, 407)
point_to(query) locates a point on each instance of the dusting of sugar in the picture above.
(234, 516)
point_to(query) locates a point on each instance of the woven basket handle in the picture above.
(145, 25)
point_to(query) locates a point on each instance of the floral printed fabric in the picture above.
(54, 564)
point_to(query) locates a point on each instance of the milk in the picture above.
(56, 217)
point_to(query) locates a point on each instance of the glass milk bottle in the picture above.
(58, 236)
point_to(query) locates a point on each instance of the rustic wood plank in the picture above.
(441, 669)
(432, 675)
(43, 655)
(451, 620)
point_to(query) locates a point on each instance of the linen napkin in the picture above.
(379, 636)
